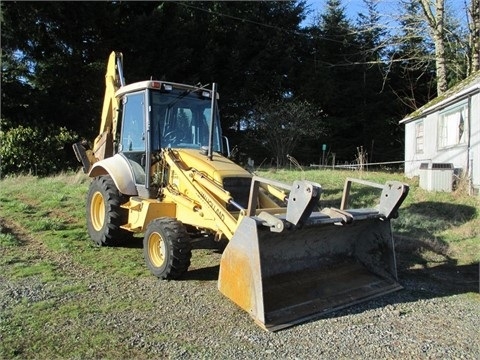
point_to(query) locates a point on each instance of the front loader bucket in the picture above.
(284, 278)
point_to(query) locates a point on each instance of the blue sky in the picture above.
(387, 8)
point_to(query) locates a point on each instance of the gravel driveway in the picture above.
(436, 316)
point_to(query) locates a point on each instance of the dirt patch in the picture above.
(33, 245)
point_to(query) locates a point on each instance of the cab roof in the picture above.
(157, 85)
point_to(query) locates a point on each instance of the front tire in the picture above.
(104, 214)
(166, 248)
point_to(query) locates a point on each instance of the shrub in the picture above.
(38, 150)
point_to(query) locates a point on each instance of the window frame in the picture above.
(453, 126)
(420, 137)
(125, 107)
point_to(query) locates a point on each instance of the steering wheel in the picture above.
(169, 137)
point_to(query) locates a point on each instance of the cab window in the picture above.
(133, 138)
(133, 134)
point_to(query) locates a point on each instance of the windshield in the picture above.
(181, 119)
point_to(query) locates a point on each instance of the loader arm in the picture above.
(209, 198)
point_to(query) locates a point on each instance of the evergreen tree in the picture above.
(330, 78)
(378, 118)
(54, 54)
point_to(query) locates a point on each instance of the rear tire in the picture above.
(166, 248)
(104, 214)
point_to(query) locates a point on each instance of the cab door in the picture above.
(133, 139)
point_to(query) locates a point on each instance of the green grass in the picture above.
(46, 270)
(53, 209)
(45, 328)
(8, 240)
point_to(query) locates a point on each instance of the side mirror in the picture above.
(227, 146)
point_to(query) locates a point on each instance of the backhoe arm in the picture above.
(103, 143)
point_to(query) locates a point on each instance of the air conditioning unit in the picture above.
(436, 176)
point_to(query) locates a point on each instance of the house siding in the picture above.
(464, 156)
(475, 139)
(456, 155)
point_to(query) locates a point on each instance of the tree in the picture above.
(63, 60)
(377, 111)
(54, 67)
(18, 96)
(247, 47)
(336, 78)
(474, 38)
(250, 50)
(435, 17)
(412, 68)
(454, 53)
(279, 126)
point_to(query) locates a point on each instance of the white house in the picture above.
(446, 131)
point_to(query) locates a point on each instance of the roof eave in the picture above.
(442, 104)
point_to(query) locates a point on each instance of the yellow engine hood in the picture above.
(218, 168)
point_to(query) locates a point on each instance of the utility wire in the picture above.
(295, 32)
(235, 17)
(298, 33)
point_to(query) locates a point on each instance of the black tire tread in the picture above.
(111, 234)
(179, 247)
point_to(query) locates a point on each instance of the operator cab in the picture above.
(157, 115)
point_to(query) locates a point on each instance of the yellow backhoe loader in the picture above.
(160, 167)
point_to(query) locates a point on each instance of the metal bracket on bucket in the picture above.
(274, 223)
(302, 199)
(393, 194)
(346, 217)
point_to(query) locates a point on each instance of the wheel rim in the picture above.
(156, 249)
(97, 211)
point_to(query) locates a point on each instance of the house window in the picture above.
(453, 127)
(419, 137)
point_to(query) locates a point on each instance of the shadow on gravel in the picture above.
(135, 243)
(207, 273)
(428, 268)
(209, 243)
(204, 274)
(442, 280)
(418, 284)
